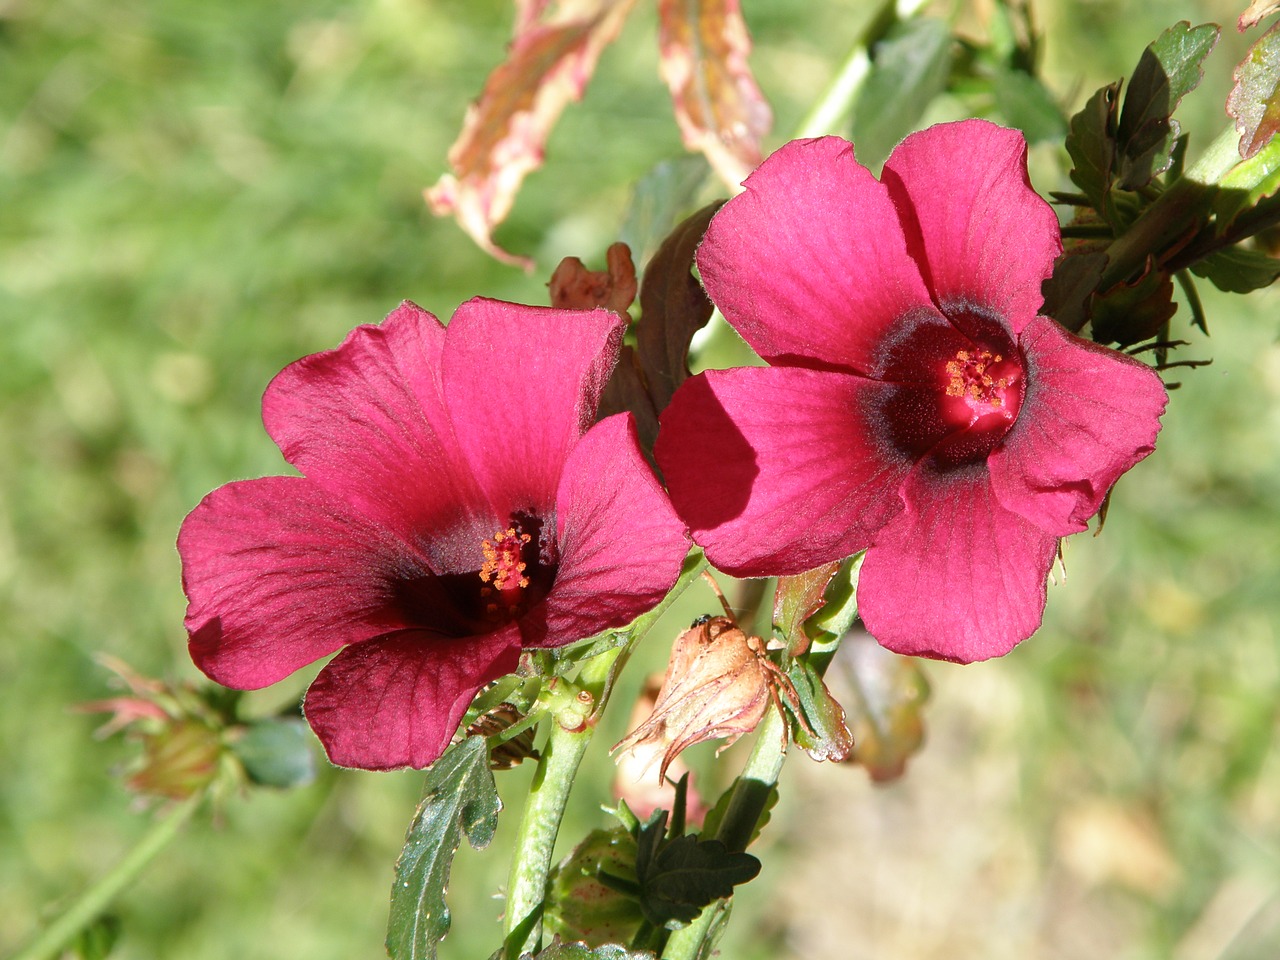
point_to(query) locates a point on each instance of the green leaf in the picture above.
(459, 798)
(580, 951)
(658, 201)
(840, 603)
(826, 736)
(1092, 146)
(1255, 99)
(1167, 71)
(1130, 313)
(1247, 185)
(278, 753)
(910, 67)
(1026, 103)
(1235, 270)
(680, 876)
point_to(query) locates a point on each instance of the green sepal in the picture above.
(711, 822)
(279, 752)
(1091, 143)
(822, 732)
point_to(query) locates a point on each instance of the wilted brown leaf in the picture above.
(574, 287)
(704, 46)
(551, 59)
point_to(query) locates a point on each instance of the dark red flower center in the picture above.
(493, 581)
(957, 386)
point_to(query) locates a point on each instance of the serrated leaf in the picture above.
(1026, 103)
(680, 876)
(1255, 99)
(1091, 144)
(278, 753)
(1130, 313)
(910, 67)
(550, 61)
(1168, 70)
(885, 694)
(823, 734)
(1067, 291)
(703, 47)
(1235, 270)
(673, 307)
(459, 799)
(796, 599)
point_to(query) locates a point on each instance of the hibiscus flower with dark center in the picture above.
(456, 505)
(916, 404)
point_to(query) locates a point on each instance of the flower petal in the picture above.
(621, 543)
(955, 576)
(984, 238)
(278, 573)
(811, 261)
(1089, 414)
(366, 423)
(396, 702)
(522, 385)
(780, 469)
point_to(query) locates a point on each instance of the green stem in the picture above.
(750, 794)
(98, 897)
(549, 795)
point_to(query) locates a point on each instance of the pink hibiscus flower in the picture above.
(454, 508)
(916, 405)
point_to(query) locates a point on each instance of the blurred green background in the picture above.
(193, 195)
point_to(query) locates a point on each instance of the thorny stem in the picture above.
(90, 904)
(553, 781)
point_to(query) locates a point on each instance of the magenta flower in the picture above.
(454, 508)
(916, 405)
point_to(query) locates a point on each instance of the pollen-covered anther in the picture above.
(969, 377)
(503, 564)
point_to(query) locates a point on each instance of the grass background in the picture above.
(193, 195)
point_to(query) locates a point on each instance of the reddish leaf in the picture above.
(673, 307)
(1258, 10)
(720, 109)
(551, 59)
(797, 599)
(1255, 99)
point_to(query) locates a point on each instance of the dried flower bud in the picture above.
(718, 685)
(643, 796)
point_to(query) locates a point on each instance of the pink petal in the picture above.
(621, 543)
(810, 261)
(985, 238)
(278, 574)
(522, 385)
(780, 469)
(366, 423)
(955, 576)
(1089, 414)
(396, 702)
